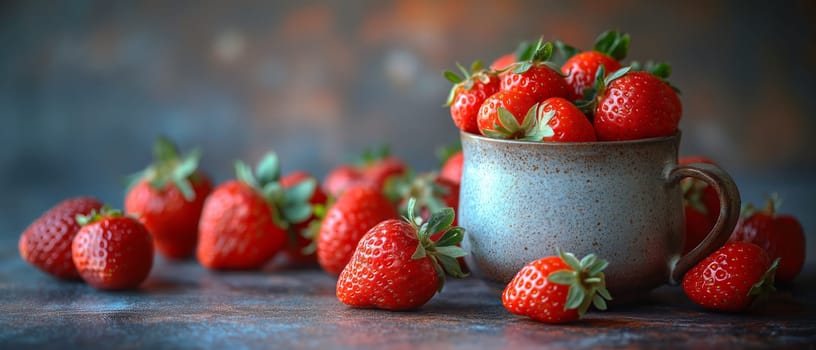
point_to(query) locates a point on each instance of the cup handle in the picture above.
(729, 213)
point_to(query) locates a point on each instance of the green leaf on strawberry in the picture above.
(169, 167)
(613, 43)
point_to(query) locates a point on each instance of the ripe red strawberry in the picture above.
(347, 220)
(301, 246)
(429, 192)
(452, 168)
(535, 77)
(243, 224)
(635, 105)
(699, 194)
(698, 225)
(503, 62)
(555, 119)
(373, 169)
(167, 198)
(517, 104)
(730, 278)
(112, 251)
(343, 177)
(468, 93)
(557, 289)
(702, 206)
(379, 171)
(396, 266)
(581, 69)
(46, 242)
(781, 236)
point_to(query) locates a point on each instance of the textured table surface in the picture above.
(183, 305)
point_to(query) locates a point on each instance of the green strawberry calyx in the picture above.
(534, 127)
(423, 188)
(661, 70)
(170, 167)
(765, 286)
(467, 80)
(287, 206)
(443, 252)
(538, 53)
(772, 204)
(446, 152)
(586, 281)
(693, 194)
(593, 95)
(613, 43)
(311, 231)
(97, 215)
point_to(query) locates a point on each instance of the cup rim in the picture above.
(675, 136)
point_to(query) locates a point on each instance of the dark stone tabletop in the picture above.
(182, 305)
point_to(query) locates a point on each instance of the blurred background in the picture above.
(86, 86)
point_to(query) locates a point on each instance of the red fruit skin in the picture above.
(168, 216)
(568, 123)
(382, 274)
(722, 280)
(698, 225)
(46, 242)
(294, 249)
(516, 103)
(236, 229)
(343, 177)
(379, 171)
(539, 82)
(709, 197)
(452, 169)
(503, 62)
(781, 236)
(466, 102)
(582, 68)
(113, 253)
(637, 105)
(355, 212)
(531, 294)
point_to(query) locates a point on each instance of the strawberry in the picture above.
(373, 169)
(534, 76)
(518, 105)
(430, 192)
(356, 211)
(244, 221)
(396, 266)
(452, 168)
(697, 227)
(301, 247)
(504, 62)
(581, 69)
(702, 206)
(343, 177)
(730, 278)
(781, 236)
(468, 93)
(557, 289)
(112, 251)
(379, 171)
(167, 198)
(46, 242)
(631, 105)
(555, 119)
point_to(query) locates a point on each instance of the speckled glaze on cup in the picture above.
(621, 200)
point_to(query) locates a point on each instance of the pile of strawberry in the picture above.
(553, 93)
(350, 224)
(172, 208)
(579, 97)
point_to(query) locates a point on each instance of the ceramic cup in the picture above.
(621, 200)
